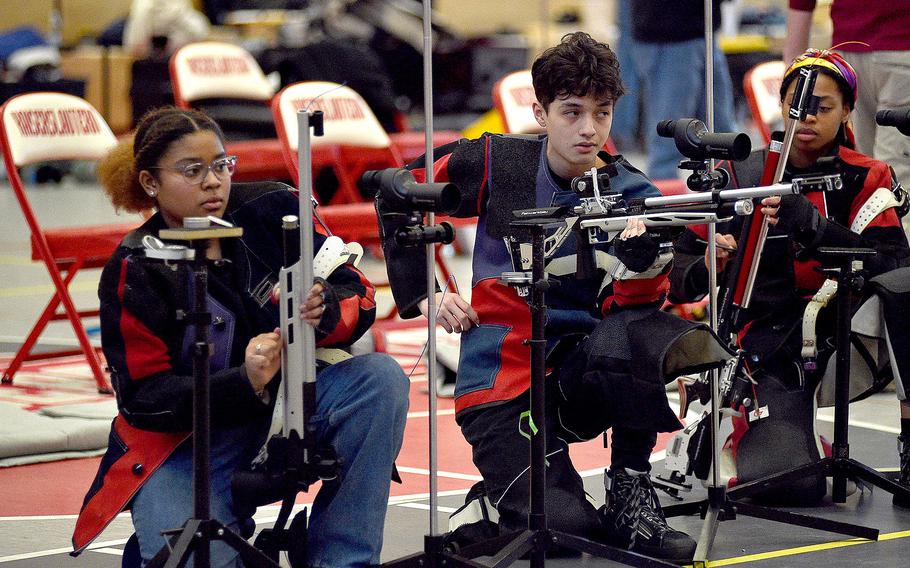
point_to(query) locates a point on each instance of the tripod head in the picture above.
(398, 193)
(845, 264)
(196, 230)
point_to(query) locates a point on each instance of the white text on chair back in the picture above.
(54, 126)
(210, 69)
(516, 97)
(348, 119)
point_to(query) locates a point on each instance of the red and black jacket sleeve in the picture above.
(350, 306)
(883, 233)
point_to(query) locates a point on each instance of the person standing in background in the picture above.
(874, 37)
(175, 20)
(668, 50)
(626, 132)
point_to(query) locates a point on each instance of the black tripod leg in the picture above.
(488, 547)
(524, 542)
(435, 546)
(434, 555)
(251, 556)
(821, 467)
(876, 478)
(173, 557)
(806, 521)
(599, 550)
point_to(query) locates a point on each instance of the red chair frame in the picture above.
(36, 127)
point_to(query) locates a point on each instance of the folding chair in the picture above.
(37, 127)
(762, 87)
(224, 81)
(411, 144)
(513, 99)
(354, 140)
(353, 137)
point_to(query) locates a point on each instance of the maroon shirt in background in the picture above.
(883, 24)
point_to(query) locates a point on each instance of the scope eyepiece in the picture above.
(398, 189)
(695, 142)
(897, 117)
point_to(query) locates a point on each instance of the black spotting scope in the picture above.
(397, 188)
(897, 117)
(695, 142)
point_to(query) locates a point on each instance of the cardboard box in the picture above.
(107, 73)
(88, 18)
(35, 13)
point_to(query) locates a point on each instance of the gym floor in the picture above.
(38, 503)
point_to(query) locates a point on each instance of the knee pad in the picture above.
(784, 439)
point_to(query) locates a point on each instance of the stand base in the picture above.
(508, 548)
(201, 532)
(839, 467)
(722, 505)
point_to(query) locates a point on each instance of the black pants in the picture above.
(502, 454)
(605, 381)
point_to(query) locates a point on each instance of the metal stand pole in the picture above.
(196, 535)
(431, 263)
(433, 554)
(716, 496)
(201, 432)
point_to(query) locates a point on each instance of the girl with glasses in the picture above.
(176, 163)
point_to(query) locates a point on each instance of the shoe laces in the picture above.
(635, 506)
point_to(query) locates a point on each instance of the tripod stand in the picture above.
(839, 466)
(724, 505)
(200, 530)
(537, 539)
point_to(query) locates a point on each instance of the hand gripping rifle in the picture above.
(291, 461)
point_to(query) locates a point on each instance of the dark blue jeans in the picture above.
(361, 411)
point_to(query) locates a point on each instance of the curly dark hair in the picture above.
(579, 65)
(156, 131)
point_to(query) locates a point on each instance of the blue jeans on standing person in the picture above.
(672, 80)
(361, 409)
(625, 129)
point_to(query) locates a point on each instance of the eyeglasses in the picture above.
(197, 172)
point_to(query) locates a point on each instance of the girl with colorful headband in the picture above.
(834, 74)
(864, 213)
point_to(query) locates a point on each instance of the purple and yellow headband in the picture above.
(828, 60)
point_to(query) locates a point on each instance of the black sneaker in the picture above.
(633, 518)
(903, 449)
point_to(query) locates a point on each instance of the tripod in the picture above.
(537, 539)
(725, 505)
(201, 529)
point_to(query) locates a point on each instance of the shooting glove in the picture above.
(332, 313)
(637, 253)
(798, 217)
